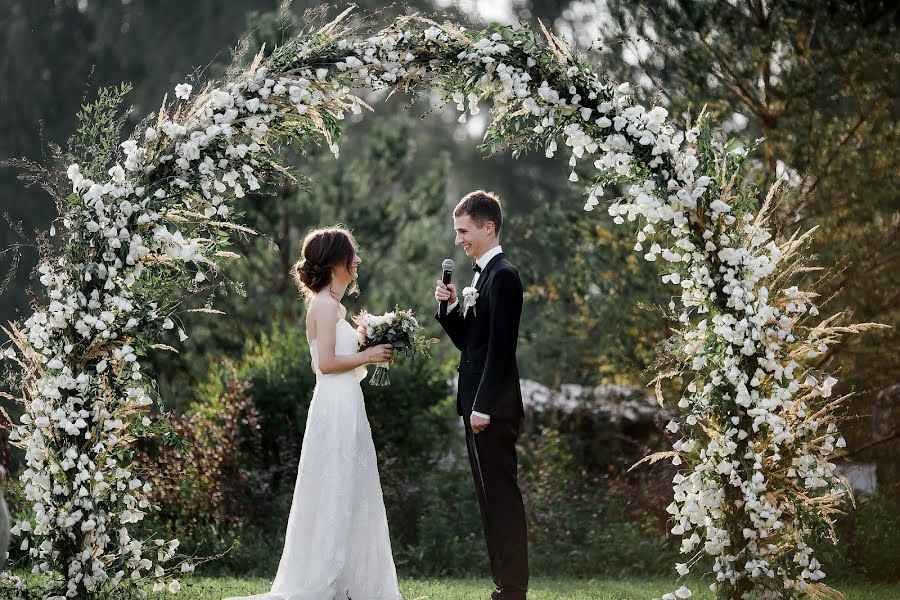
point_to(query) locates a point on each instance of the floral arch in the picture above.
(754, 428)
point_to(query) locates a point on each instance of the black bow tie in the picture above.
(476, 268)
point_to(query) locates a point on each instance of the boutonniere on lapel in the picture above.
(470, 297)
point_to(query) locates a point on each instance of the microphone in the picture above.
(447, 267)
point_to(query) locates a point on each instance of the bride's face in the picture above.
(342, 275)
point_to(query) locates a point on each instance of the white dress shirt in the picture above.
(481, 262)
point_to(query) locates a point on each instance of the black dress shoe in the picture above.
(497, 595)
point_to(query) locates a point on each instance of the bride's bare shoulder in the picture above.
(322, 306)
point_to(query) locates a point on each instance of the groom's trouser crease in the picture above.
(492, 455)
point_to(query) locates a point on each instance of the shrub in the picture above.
(277, 369)
(410, 427)
(578, 525)
(448, 540)
(868, 541)
(198, 472)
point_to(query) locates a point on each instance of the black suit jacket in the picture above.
(487, 337)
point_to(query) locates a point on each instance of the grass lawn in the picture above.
(541, 589)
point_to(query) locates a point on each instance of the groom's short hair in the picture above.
(481, 206)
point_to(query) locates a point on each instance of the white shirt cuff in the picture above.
(482, 415)
(452, 306)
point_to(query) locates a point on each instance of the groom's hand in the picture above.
(479, 424)
(444, 292)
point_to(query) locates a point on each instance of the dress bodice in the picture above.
(345, 343)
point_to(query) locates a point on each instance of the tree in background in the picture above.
(384, 188)
(396, 186)
(81, 45)
(579, 278)
(818, 80)
(57, 52)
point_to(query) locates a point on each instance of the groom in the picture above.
(484, 326)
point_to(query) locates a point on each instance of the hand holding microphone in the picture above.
(445, 292)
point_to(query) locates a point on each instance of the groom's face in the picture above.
(471, 237)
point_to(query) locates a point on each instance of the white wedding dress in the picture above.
(337, 544)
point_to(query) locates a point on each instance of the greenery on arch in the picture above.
(755, 418)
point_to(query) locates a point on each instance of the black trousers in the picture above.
(492, 455)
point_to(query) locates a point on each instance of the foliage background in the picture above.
(817, 80)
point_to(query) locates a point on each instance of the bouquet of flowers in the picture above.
(398, 328)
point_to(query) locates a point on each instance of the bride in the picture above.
(337, 544)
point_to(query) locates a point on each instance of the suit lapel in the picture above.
(484, 271)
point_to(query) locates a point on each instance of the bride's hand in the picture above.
(379, 354)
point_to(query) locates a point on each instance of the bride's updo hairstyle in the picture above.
(323, 249)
